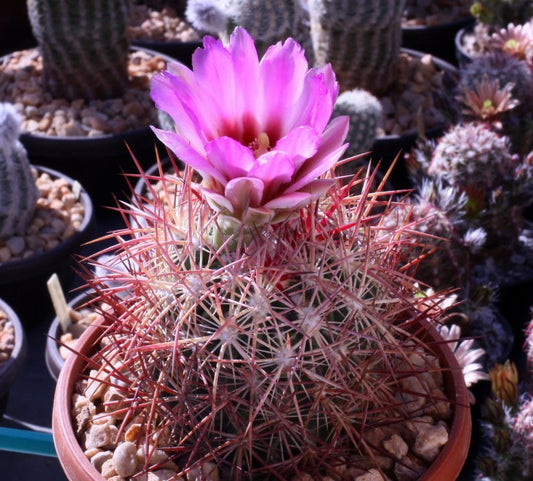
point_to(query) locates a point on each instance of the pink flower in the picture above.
(256, 130)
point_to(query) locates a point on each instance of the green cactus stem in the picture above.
(18, 192)
(360, 39)
(84, 46)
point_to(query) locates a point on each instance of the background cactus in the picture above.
(268, 22)
(84, 46)
(360, 39)
(365, 112)
(18, 192)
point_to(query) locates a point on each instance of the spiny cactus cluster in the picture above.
(268, 22)
(84, 46)
(508, 426)
(361, 40)
(478, 162)
(273, 352)
(18, 191)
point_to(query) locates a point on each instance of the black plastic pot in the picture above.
(23, 282)
(10, 370)
(437, 40)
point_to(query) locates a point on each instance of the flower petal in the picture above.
(329, 151)
(273, 168)
(231, 158)
(295, 200)
(244, 192)
(315, 104)
(299, 144)
(283, 69)
(186, 152)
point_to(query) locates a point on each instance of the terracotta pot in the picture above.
(10, 370)
(25, 279)
(446, 466)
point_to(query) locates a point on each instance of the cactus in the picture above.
(360, 39)
(268, 22)
(18, 192)
(84, 46)
(365, 112)
(273, 354)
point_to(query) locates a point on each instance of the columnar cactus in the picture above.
(18, 192)
(84, 46)
(268, 22)
(360, 39)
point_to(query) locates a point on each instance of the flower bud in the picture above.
(501, 440)
(487, 466)
(493, 412)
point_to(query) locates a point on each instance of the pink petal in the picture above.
(282, 69)
(330, 150)
(169, 98)
(188, 154)
(230, 158)
(294, 200)
(217, 201)
(315, 105)
(244, 192)
(273, 168)
(246, 67)
(215, 77)
(299, 144)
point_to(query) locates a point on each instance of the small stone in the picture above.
(100, 458)
(396, 446)
(124, 459)
(16, 245)
(430, 439)
(372, 475)
(100, 436)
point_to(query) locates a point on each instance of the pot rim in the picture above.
(10, 369)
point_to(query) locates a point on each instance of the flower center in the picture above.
(261, 145)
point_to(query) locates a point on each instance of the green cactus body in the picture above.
(84, 46)
(360, 39)
(18, 192)
(365, 114)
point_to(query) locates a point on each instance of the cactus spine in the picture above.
(18, 192)
(84, 46)
(360, 39)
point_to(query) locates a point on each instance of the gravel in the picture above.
(58, 215)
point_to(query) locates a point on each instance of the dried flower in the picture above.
(257, 131)
(504, 382)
